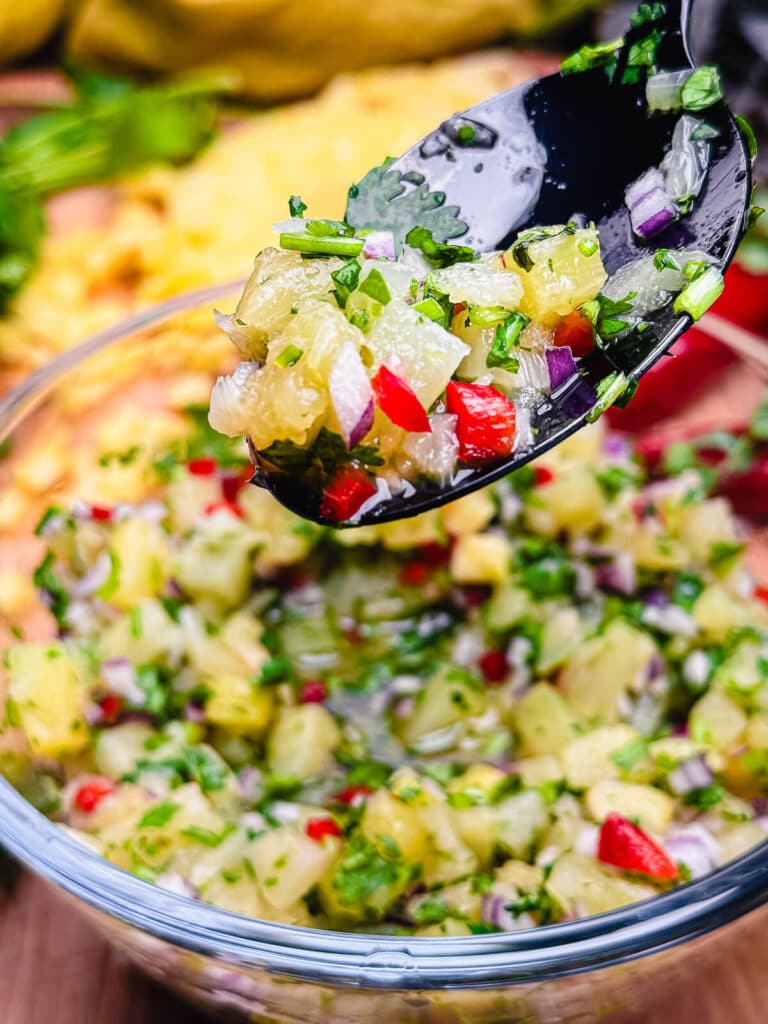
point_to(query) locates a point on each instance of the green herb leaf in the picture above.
(46, 580)
(663, 259)
(702, 89)
(290, 355)
(647, 12)
(505, 338)
(206, 837)
(438, 254)
(375, 287)
(159, 815)
(591, 55)
(346, 279)
(705, 797)
(205, 767)
(296, 206)
(431, 910)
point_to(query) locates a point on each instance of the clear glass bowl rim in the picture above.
(344, 958)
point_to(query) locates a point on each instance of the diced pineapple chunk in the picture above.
(279, 281)
(119, 748)
(561, 634)
(572, 501)
(216, 561)
(543, 720)
(47, 694)
(141, 562)
(757, 731)
(587, 759)
(17, 592)
(649, 806)
(485, 282)
(518, 822)
(481, 558)
(535, 771)
(581, 887)
(477, 783)
(567, 271)
(449, 858)
(302, 742)
(603, 669)
(469, 514)
(737, 839)
(715, 721)
(288, 864)
(447, 698)
(386, 817)
(703, 524)
(507, 606)
(237, 705)
(717, 612)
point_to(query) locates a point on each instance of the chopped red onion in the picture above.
(405, 707)
(585, 579)
(494, 910)
(561, 365)
(694, 773)
(93, 714)
(193, 712)
(435, 453)
(120, 677)
(650, 207)
(696, 847)
(379, 245)
(352, 395)
(619, 575)
(617, 448)
(95, 578)
(249, 783)
(655, 598)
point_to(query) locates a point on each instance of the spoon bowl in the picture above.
(559, 149)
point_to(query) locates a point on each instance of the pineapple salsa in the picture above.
(544, 701)
(376, 362)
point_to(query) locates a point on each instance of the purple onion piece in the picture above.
(561, 366)
(650, 207)
(96, 577)
(194, 712)
(695, 847)
(655, 223)
(655, 598)
(351, 395)
(364, 424)
(119, 675)
(619, 574)
(249, 783)
(694, 773)
(379, 245)
(615, 446)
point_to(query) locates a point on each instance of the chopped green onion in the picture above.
(702, 89)
(296, 206)
(331, 245)
(647, 12)
(346, 279)
(487, 316)
(290, 355)
(590, 56)
(664, 260)
(609, 390)
(429, 308)
(325, 228)
(749, 134)
(696, 298)
(506, 337)
(376, 287)
(694, 269)
(588, 246)
(465, 135)
(642, 54)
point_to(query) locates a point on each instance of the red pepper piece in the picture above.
(223, 506)
(232, 483)
(314, 691)
(201, 467)
(542, 476)
(319, 828)
(91, 793)
(494, 666)
(354, 795)
(748, 491)
(399, 402)
(486, 420)
(349, 489)
(761, 593)
(576, 332)
(414, 574)
(435, 554)
(626, 846)
(111, 706)
(101, 513)
(471, 597)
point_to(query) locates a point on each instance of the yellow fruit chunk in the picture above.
(47, 696)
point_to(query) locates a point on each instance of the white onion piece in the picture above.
(439, 739)
(650, 207)
(120, 677)
(405, 685)
(664, 90)
(468, 646)
(436, 453)
(96, 577)
(171, 881)
(224, 321)
(587, 840)
(285, 812)
(673, 620)
(292, 226)
(351, 394)
(686, 164)
(697, 669)
(694, 773)
(253, 821)
(695, 847)
(225, 413)
(379, 245)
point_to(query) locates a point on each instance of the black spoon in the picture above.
(541, 153)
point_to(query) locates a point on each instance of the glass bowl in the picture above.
(619, 967)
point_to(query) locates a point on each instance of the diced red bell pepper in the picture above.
(349, 489)
(202, 467)
(101, 513)
(111, 706)
(624, 845)
(494, 665)
(319, 828)
(576, 332)
(223, 506)
(748, 491)
(354, 795)
(314, 692)
(414, 574)
(232, 482)
(542, 476)
(435, 554)
(485, 426)
(761, 593)
(91, 793)
(399, 402)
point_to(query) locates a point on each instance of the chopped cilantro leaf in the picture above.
(365, 868)
(702, 89)
(506, 336)
(375, 287)
(704, 797)
(159, 815)
(346, 279)
(431, 910)
(46, 580)
(296, 206)
(663, 259)
(206, 837)
(205, 767)
(438, 254)
(590, 56)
